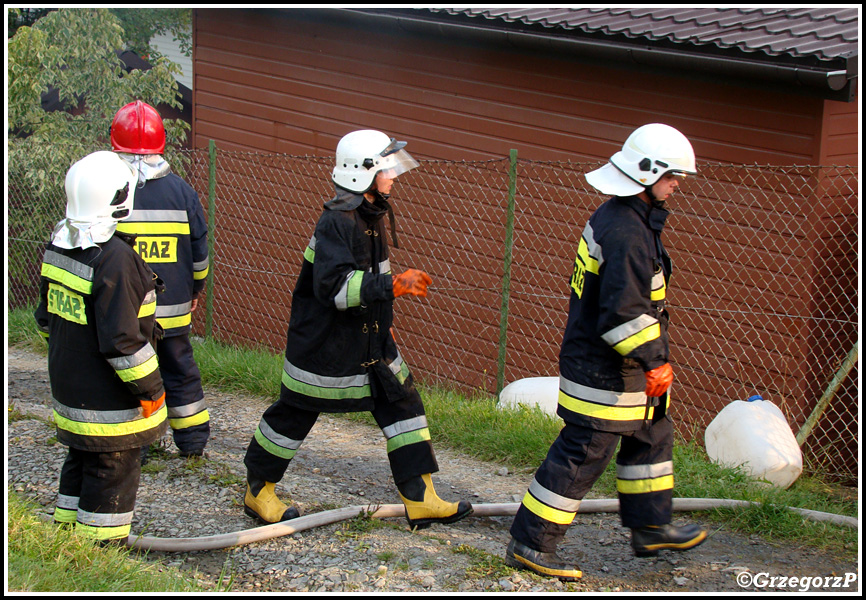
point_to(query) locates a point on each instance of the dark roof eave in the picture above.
(836, 84)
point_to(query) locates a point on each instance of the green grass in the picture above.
(42, 557)
(519, 439)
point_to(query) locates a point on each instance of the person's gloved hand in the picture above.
(411, 281)
(149, 407)
(659, 380)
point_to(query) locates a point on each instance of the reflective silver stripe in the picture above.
(658, 281)
(582, 392)
(104, 519)
(60, 261)
(150, 216)
(201, 265)
(396, 365)
(341, 300)
(634, 472)
(626, 330)
(312, 244)
(385, 266)
(323, 381)
(149, 298)
(179, 412)
(173, 310)
(67, 502)
(97, 416)
(592, 247)
(552, 499)
(400, 427)
(139, 358)
(280, 440)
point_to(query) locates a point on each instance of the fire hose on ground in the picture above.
(328, 517)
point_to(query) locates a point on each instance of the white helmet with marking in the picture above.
(100, 190)
(362, 154)
(650, 152)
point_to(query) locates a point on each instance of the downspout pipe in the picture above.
(831, 83)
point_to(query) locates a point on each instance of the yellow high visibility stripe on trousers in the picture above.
(546, 512)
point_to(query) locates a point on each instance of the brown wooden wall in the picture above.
(295, 81)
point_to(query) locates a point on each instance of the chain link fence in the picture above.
(763, 298)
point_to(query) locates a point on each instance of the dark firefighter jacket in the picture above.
(96, 309)
(617, 325)
(339, 349)
(170, 233)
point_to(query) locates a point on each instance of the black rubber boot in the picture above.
(647, 541)
(548, 564)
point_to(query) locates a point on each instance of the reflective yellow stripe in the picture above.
(103, 533)
(172, 322)
(410, 437)
(184, 422)
(547, 513)
(644, 486)
(65, 515)
(197, 275)
(599, 411)
(73, 282)
(652, 332)
(140, 371)
(155, 228)
(271, 447)
(110, 429)
(147, 309)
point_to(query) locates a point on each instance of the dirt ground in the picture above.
(344, 464)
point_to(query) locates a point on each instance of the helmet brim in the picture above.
(610, 180)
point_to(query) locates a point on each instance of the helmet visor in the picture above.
(396, 162)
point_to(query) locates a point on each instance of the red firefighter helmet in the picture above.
(137, 129)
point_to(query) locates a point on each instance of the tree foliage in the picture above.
(74, 53)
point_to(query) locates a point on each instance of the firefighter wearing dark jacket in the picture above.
(96, 310)
(340, 352)
(614, 365)
(171, 236)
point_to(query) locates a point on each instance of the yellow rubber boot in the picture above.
(424, 507)
(261, 502)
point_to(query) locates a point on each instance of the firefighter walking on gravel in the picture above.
(614, 366)
(171, 236)
(97, 300)
(340, 352)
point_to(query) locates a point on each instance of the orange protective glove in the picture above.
(411, 281)
(148, 407)
(659, 380)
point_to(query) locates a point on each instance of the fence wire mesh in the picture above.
(763, 297)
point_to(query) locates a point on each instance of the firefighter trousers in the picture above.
(97, 492)
(184, 396)
(283, 428)
(575, 461)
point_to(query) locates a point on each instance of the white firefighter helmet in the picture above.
(362, 154)
(650, 152)
(100, 190)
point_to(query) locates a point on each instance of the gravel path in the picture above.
(344, 464)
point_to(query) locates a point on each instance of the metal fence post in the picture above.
(506, 272)
(211, 242)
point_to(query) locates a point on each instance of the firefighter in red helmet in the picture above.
(170, 233)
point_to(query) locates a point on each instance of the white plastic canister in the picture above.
(532, 391)
(755, 435)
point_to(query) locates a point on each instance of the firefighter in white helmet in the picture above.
(614, 365)
(97, 299)
(340, 352)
